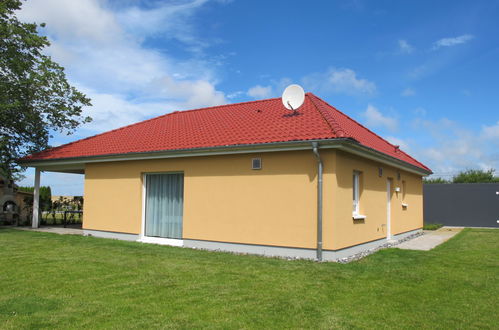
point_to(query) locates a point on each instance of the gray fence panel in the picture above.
(462, 204)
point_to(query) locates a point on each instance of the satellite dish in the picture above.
(293, 97)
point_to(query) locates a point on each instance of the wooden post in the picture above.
(36, 199)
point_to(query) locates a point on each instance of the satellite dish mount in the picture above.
(293, 97)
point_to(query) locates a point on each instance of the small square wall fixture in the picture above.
(380, 171)
(256, 164)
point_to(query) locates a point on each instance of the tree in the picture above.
(467, 176)
(45, 196)
(475, 176)
(435, 180)
(35, 96)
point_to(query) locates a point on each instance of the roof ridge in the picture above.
(356, 122)
(222, 106)
(335, 127)
(147, 120)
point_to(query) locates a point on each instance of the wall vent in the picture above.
(256, 164)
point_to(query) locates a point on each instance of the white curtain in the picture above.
(164, 205)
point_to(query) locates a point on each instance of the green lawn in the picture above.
(49, 280)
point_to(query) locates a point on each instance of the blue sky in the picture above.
(423, 74)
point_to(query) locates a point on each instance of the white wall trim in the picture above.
(35, 223)
(291, 252)
(149, 239)
(161, 241)
(273, 251)
(143, 215)
(389, 208)
(111, 235)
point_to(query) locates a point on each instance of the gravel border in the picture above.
(363, 254)
(346, 260)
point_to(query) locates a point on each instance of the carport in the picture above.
(49, 166)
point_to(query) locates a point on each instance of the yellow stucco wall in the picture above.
(373, 202)
(225, 200)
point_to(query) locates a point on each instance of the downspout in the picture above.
(315, 146)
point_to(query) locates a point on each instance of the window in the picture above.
(356, 193)
(256, 164)
(164, 205)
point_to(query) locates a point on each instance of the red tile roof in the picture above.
(255, 122)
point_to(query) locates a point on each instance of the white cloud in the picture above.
(420, 71)
(74, 20)
(408, 92)
(405, 47)
(454, 148)
(260, 92)
(398, 142)
(274, 89)
(111, 111)
(168, 20)
(103, 47)
(419, 111)
(235, 95)
(453, 155)
(340, 80)
(191, 93)
(374, 118)
(104, 53)
(491, 132)
(449, 42)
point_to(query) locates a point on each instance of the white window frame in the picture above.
(142, 236)
(356, 196)
(259, 160)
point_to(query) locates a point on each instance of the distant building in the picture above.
(58, 198)
(12, 202)
(67, 202)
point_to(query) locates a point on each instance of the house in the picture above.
(250, 177)
(13, 208)
(66, 202)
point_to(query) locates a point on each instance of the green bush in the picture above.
(45, 196)
(475, 176)
(467, 176)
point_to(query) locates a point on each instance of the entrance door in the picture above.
(164, 205)
(389, 184)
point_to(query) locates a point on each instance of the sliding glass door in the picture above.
(164, 205)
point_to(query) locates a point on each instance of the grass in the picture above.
(63, 281)
(432, 226)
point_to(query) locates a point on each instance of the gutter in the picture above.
(315, 150)
(345, 144)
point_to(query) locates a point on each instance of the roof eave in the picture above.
(346, 144)
(373, 154)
